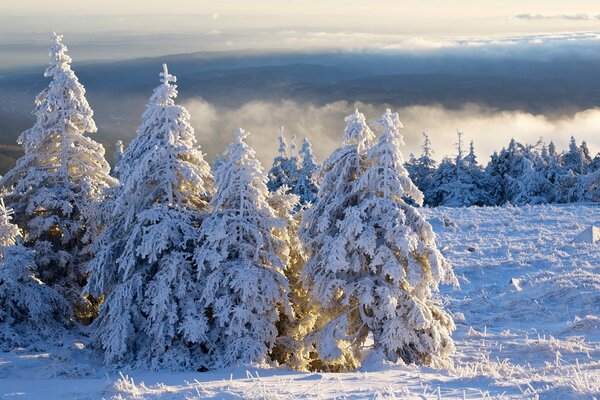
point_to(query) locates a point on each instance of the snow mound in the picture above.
(590, 235)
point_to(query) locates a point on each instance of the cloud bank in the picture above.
(323, 125)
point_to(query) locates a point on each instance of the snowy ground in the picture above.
(527, 314)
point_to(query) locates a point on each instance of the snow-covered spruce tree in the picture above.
(285, 171)
(151, 315)
(458, 182)
(118, 155)
(577, 158)
(30, 311)
(53, 188)
(241, 253)
(595, 164)
(307, 185)
(422, 169)
(374, 265)
(329, 346)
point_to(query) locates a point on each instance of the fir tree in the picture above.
(459, 182)
(30, 311)
(575, 158)
(328, 346)
(55, 186)
(422, 170)
(307, 186)
(285, 171)
(151, 316)
(290, 348)
(241, 254)
(118, 156)
(373, 261)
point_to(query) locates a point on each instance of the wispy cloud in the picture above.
(569, 17)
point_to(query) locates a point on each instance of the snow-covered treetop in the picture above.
(427, 152)
(62, 106)
(230, 179)
(162, 163)
(293, 146)
(308, 159)
(471, 158)
(391, 124)
(166, 93)
(459, 149)
(283, 147)
(357, 131)
(60, 62)
(386, 174)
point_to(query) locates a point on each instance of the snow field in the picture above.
(538, 337)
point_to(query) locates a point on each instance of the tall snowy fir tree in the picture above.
(329, 346)
(374, 263)
(241, 255)
(150, 317)
(31, 313)
(55, 186)
(307, 185)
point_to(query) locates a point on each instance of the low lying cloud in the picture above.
(323, 125)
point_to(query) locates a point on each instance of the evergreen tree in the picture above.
(422, 170)
(373, 261)
(55, 186)
(552, 149)
(576, 158)
(307, 185)
(30, 311)
(151, 315)
(590, 186)
(118, 156)
(458, 182)
(290, 348)
(285, 170)
(595, 164)
(328, 346)
(241, 253)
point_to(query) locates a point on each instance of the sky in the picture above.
(550, 34)
(141, 28)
